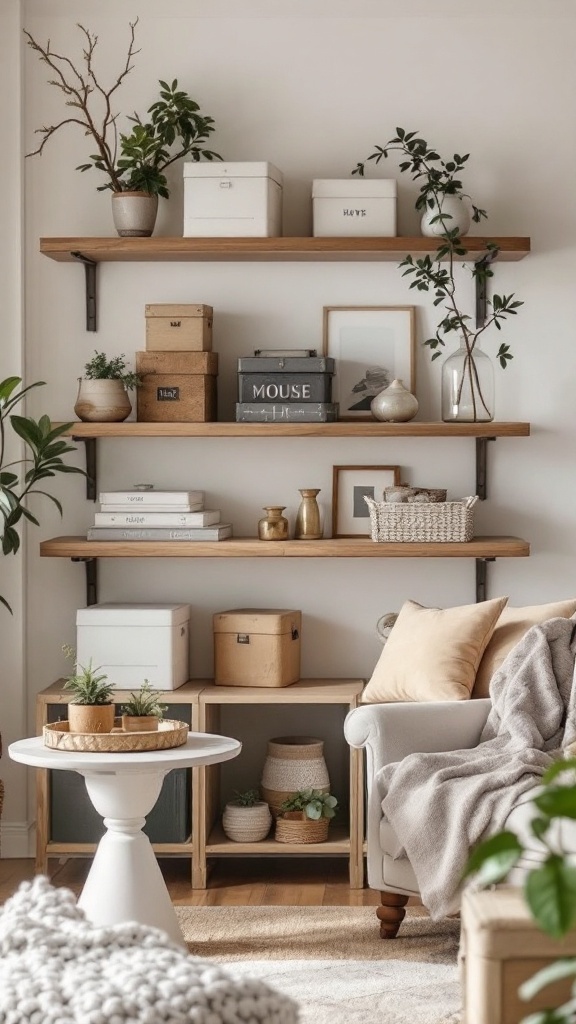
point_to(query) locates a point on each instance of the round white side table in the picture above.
(124, 882)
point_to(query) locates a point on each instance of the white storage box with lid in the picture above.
(354, 207)
(232, 199)
(134, 642)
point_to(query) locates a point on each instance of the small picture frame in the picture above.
(372, 346)
(350, 484)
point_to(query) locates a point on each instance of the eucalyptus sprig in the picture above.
(313, 802)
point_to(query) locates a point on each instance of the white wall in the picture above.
(312, 87)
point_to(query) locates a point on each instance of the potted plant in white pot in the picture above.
(305, 816)
(103, 390)
(467, 375)
(90, 709)
(246, 818)
(133, 161)
(44, 449)
(142, 712)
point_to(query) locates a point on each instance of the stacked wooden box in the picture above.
(288, 388)
(178, 368)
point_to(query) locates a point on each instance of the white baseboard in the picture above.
(17, 839)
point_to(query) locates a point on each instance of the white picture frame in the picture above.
(350, 513)
(372, 346)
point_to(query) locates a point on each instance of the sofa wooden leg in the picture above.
(391, 914)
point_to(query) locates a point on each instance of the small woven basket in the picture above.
(301, 830)
(426, 522)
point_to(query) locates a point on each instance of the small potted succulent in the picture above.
(142, 711)
(103, 390)
(246, 818)
(90, 709)
(305, 816)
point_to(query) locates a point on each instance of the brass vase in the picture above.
(308, 521)
(274, 526)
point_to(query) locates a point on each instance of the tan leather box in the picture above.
(177, 387)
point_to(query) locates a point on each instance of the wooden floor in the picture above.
(241, 882)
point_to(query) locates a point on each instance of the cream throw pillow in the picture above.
(510, 628)
(433, 653)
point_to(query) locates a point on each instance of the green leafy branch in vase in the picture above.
(549, 888)
(438, 180)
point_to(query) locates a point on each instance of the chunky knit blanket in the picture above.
(441, 805)
(58, 968)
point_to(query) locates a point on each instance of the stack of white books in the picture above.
(147, 514)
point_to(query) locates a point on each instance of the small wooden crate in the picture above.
(177, 387)
(178, 327)
(502, 947)
(257, 647)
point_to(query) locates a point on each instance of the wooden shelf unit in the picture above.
(342, 428)
(207, 839)
(210, 841)
(158, 249)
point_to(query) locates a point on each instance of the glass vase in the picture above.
(468, 386)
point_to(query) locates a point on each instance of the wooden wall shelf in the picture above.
(100, 250)
(343, 428)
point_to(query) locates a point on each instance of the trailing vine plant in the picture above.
(438, 178)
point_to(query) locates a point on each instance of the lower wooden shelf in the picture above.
(207, 840)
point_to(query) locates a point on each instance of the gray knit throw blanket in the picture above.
(58, 968)
(441, 805)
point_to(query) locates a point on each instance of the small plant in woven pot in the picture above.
(305, 817)
(90, 709)
(246, 818)
(142, 711)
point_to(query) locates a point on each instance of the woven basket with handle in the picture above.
(422, 522)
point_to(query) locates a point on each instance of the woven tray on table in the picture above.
(422, 522)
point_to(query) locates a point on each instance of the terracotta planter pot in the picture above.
(91, 717)
(102, 401)
(140, 723)
(134, 213)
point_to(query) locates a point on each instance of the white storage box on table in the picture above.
(232, 200)
(354, 207)
(134, 642)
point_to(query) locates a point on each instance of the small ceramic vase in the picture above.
(395, 404)
(274, 526)
(308, 520)
(456, 212)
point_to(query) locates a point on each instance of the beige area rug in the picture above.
(332, 961)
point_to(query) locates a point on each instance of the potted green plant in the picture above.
(467, 375)
(246, 818)
(90, 709)
(103, 390)
(142, 711)
(44, 449)
(305, 816)
(134, 161)
(550, 884)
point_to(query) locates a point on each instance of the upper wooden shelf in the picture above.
(251, 547)
(343, 428)
(99, 250)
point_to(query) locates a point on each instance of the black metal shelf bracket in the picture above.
(481, 577)
(91, 466)
(481, 461)
(90, 279)
(91, 578)
(480, 278)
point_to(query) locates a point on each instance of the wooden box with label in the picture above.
(257, 647)
(179, 327)
(177, 387)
